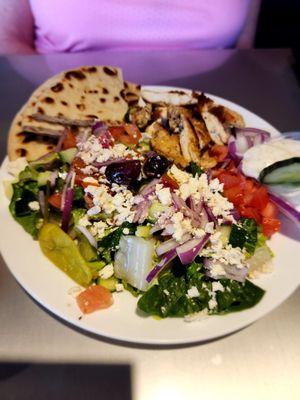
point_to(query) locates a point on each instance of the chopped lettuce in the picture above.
(23, 194)
(244, 235)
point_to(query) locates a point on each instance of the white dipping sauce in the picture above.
(259, 157)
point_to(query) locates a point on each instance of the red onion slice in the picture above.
(166, 246)
(66, 214)
(60, 140)
(189, 250)
(149, 188)
(231, 271)
(286, 208)
(42, 201)
(66, 185)
(168, 257)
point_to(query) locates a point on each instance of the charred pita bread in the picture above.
(82, 94)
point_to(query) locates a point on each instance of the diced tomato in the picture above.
(229, 180)
(260, 198)
(249, 186)
(55, 200)
(167, 181)
(79, 177)
(250, 199)
(219, 152)
(127, 134)
(134, 132)
(94, 298)
(78, 163)
(270, 211)
(270, 226)
(250, 212)
(234, 195)
(69, 140)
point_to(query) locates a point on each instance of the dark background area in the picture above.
(278, 24)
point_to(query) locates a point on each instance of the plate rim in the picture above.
(72, 321)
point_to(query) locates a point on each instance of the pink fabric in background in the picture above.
(74, 25)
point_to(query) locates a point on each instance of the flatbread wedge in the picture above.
(84, 94)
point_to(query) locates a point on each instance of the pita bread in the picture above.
(85, 93)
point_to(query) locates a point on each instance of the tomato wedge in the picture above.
(167, 181)
(94, 298)
(128, 134)
(69, 140)
(270, 226)
(270, 211)
(249, 198)
(55, 200)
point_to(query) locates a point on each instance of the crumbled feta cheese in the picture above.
(212, 303)
(121, 203)
(98, 229)
(125, 231)
(93, 211)
(92, 151)
(217, 286)
(193, 292)
(215, 185)
(34, 205)
(166, 292)
(62, 175)
(107, 271)
(119, 287)
(163, 194)
(84, 221)
(209, 227)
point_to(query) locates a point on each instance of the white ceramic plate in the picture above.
(50, 287)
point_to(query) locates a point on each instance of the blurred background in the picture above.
(33, 26)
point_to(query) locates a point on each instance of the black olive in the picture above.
(155, 165)
(123, 172)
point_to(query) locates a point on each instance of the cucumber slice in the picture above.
(68, 155)
(109, 283)
(284, 172)
(43, 177)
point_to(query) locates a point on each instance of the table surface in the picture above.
(261, 360)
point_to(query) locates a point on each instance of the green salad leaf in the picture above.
(194, 169)
(168, 298)
(23, 194)
(244, 235)
(111, 240)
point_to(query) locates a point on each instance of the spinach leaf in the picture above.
(194, 169)
(24, 193)
(112, 240)
(238, 296)
(244, 235)
(168, 298)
